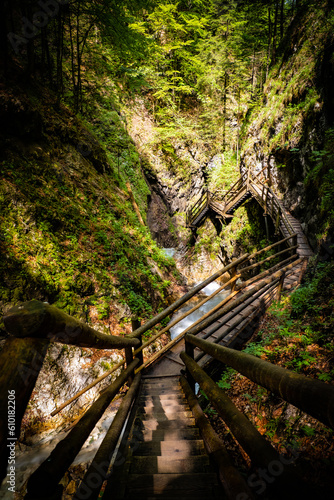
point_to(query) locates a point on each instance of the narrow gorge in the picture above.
(116, 120)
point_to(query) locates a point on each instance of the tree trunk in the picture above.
(273, 60)
(269, 41)
(282, 18)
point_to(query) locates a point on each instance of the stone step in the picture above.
(171, 448)
(169, 465)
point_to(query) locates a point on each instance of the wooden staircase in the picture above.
(165, 455)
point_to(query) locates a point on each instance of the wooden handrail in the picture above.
(103, 456)
(40, 320)
(287, 484)
(180, 318)
(234, 484)
(166, 312)
(310, 395)
(46, 478)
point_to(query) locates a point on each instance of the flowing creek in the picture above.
(189, 320)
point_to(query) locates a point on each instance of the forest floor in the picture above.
(296, 334)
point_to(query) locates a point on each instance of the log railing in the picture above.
(247, 183)
(198, 208)
(312, 396)
(34, 324)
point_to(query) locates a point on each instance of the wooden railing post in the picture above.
(233, 273)
(278, 217)
(280, 287)
(128, 360)
(248, 177)
(189, 349)
(136, 323)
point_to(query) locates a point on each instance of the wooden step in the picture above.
(188, 484)
(163, 404)
(169, 464)
(187, 433)
(176, 397)
(171, 448)
(164, 415)
(153, 424)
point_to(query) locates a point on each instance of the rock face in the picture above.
(287, 135)
(175, 172)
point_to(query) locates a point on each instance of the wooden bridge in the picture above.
(160, 445)
(249, 186)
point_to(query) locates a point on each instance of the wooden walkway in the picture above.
(167, 458)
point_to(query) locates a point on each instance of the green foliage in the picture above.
(225, 380)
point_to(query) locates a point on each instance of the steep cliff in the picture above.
(291, 130)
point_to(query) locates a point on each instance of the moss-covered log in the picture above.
(20, 361)
(310, 395)
(39, 319)
(44, 481)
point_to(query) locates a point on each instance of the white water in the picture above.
(189, 320)
(170, 252)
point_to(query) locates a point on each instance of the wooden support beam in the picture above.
(40, 320)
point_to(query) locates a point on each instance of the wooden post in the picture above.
(135, 325)
(189, 349)
(128, 360)
(233, 273)
(265, 215)
(303, 270)
(21, 361)
(280, 287)
(277, 219)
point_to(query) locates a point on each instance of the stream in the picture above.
(189, 320)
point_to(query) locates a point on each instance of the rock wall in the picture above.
(287, 133)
